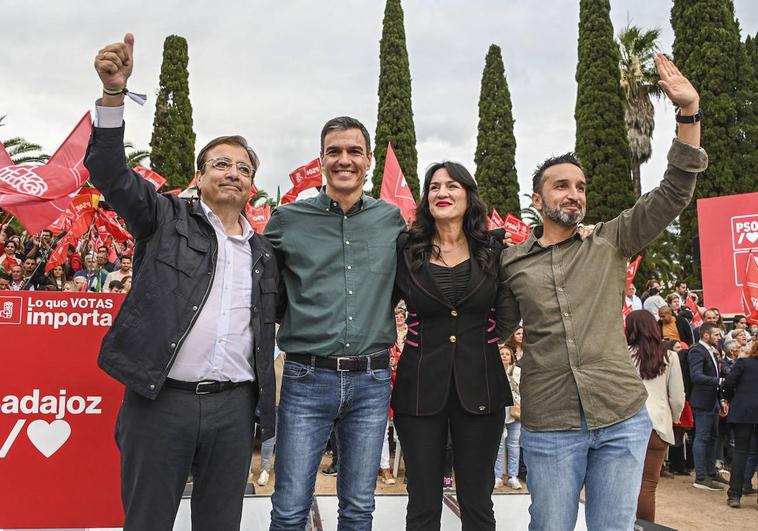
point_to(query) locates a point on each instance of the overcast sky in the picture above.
(275, 71)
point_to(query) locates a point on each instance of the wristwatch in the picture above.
(691, 119)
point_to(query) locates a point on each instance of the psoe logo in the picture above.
(745, 232)
(10, 309)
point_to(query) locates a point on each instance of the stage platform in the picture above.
(511, 511)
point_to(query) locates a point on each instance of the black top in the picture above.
(741, 389)
(452, 281)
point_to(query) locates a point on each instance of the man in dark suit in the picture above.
(704, 399)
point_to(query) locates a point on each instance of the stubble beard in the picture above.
(556, 215)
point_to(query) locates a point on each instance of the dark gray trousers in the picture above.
(163, 440)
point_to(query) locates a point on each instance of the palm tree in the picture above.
(23, 152)
(135, 156)
(639, 81)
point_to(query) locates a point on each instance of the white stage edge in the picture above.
(511, 512)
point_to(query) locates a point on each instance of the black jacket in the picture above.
(448, 341)
(704, 378)
(174, 263)
(741, 389)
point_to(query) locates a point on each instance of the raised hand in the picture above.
(114, 63)
(677, 87)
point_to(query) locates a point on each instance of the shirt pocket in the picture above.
(182, 250)
(382, 258)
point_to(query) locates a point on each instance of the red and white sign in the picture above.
(57, 412)
(258, 216)
(518, 230)
(395, 189)
(750, 289)
(728, 228)
(697, 319)
(39, 194)
(153, 177)
(307, 175)
(495, 221)
(631, 271)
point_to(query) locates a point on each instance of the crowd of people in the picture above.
(87, 267)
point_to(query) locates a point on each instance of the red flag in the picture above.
(518, 230)
(631, 270)
(60, 253)
(106, 223)
(258, 216)
(82, 211)
(175, 191)
(750, 289)
(39, 194)
(289, 197)
(395, 189)
(307, 176)
(153, 177)
(5, 159)
(697, 320)
(495, 221)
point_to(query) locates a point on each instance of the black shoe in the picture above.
(733, 502)
(748, 490)
(718, 479)
(331, 470)
(707, 484)
(680, 472)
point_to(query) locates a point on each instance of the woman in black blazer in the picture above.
(741, 390)
(450, 373)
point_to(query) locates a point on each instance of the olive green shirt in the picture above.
(338, 270)
(570, 298)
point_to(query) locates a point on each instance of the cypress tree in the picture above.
(747, 116)
(706, 49)
(601, 141)
(495, 156)
(395, 116)
(173, 140)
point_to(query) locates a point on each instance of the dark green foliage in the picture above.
(395, 116)
(495, 156)
(601, 141)
(707, 49)
(173, 140)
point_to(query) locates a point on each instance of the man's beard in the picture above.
(556, 215)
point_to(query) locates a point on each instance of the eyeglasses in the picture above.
(225, 165)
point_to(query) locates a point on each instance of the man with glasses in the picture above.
(193, 343)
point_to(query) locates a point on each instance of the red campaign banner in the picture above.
(82, 211)
(106, 223)
(697, 319)
(60, 253)
(307, 176)
(750, 289)
(518, 230)
(728, 229)
(153, 177)
(495, 221)
(57, 412)
(631, 270)
(258, 216)
(395, 189)
(37, 194)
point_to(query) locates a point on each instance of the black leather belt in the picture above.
(202, 388)
(377, 360)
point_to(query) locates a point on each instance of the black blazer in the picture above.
(446, 340)
(704, 378)
(741, 389)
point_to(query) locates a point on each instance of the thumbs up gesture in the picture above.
(114, 63)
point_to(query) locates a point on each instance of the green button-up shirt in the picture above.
(338, 269)
(570, 295)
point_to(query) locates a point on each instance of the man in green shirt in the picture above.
(337, 256)
(582, 403)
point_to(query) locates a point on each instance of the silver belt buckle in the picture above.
(197, 388)
(339, 368)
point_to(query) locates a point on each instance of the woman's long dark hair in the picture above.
(643, 332)
(474, 222)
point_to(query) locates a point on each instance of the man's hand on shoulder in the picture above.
(114, 64)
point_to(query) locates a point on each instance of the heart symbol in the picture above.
(48, 438)
(752, 237)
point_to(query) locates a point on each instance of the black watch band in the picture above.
(691, 119)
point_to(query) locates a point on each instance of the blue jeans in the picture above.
(313, 400)
(704, 445)
(511, 438)
(267, 448)
(608, 462)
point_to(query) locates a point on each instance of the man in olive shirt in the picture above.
(582, 403)
(337, 253)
